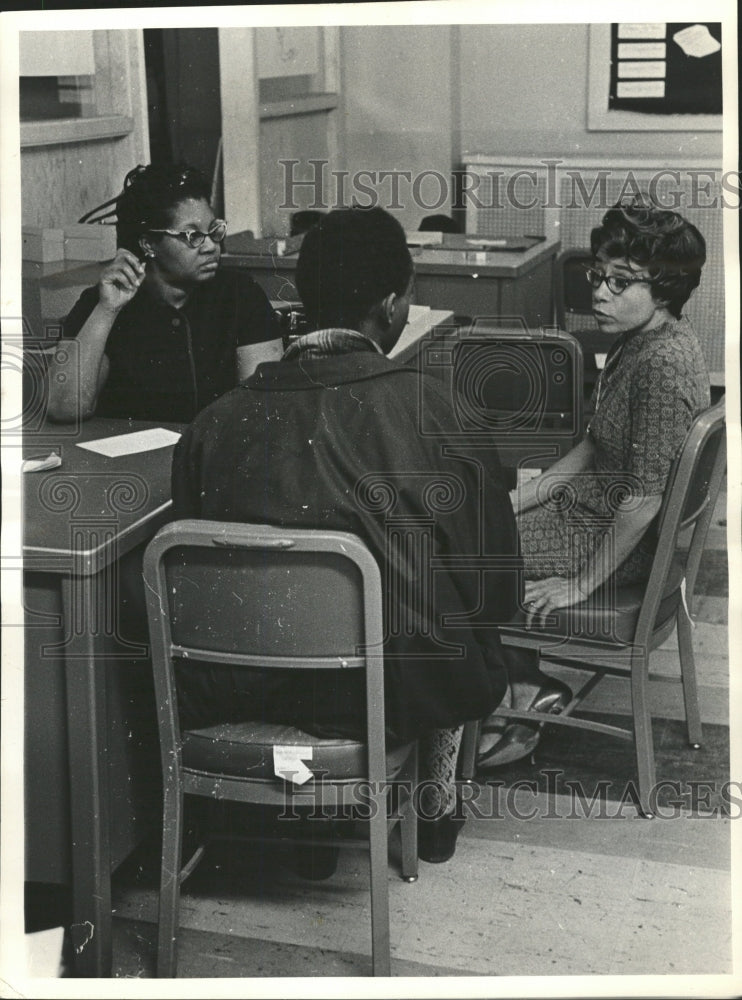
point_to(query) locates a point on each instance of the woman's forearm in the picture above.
(79, 369)
(628, 529)
(527, 496)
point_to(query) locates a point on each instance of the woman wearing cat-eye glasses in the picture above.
(590, 516)
(165, 331)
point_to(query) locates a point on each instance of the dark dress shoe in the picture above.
(520, 738)
(314, 862)
(552, 697)
(436, 838)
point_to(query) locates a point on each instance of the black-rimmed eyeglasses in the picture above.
(194, 237)
(616, 283)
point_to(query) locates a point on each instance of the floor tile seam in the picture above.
(471, 835)
(291, 942)
(350, 954)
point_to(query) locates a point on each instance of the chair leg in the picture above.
(688, 674)
(643, 744)
(172, 847)
(378, 837)
(468, 750)
(408, 829)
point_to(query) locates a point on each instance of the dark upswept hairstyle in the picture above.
(349, 261)
(670, 248)
(149, 196)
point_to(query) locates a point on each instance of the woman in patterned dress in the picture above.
(591, 515)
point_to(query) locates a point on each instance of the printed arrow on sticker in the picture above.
(288, 763)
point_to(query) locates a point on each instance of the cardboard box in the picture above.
(42, 245)
(89, 242)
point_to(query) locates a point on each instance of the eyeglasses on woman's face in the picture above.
(617, 283)
(194, 237)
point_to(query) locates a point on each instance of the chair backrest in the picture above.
(573, 293)
(260, 596)
(687, 506)
(573, 306)
(522, 389)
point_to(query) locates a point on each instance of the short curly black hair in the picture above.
(349, 261)
(671, 249)
(149, 196)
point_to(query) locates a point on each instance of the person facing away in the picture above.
(165, 331)
(647, 260)
(330, 437)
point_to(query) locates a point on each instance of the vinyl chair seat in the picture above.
(609, 615)
(245, 749)
(617, 640)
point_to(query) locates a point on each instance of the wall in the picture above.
(61, 180)
(397, 108)
(191, 78)
(524, 91)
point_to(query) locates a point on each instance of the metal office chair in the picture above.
(520, 389)
(253, 595)
(616, 629)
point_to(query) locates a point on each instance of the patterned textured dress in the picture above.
(653, 385)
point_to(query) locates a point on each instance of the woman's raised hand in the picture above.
(120, 280)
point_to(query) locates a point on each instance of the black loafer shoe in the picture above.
(436, 838)
(315, 862)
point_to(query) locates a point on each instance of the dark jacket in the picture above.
(359, 443)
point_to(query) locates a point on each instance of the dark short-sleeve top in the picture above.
(167, 363)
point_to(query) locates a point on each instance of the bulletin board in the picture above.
(666, 69)
(657, 77)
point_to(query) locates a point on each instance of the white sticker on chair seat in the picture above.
(288, 763)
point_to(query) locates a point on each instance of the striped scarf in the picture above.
(325, 343)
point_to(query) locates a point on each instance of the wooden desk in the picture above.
(91, 760)
(517, 284)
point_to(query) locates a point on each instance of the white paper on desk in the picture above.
(420, 320)
(132, 444)
(418, 324)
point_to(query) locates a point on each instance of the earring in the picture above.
(149, 253)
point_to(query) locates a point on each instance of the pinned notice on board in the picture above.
(644, 70)
(633, 30)
(696, 41)
(641, 50)
(288, 763)
(641, 88)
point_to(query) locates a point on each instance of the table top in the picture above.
(243, 250)
(92, 509)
